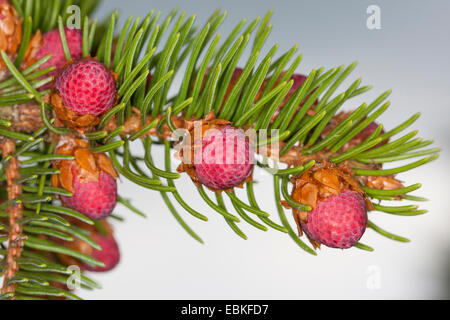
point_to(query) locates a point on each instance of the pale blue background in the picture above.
(410, 54)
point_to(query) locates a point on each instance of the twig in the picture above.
(15, 242)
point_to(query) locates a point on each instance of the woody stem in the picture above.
(26, 118)
(15, 241)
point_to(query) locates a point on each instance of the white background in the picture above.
(410, 55)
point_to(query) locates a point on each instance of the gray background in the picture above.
(410, 54)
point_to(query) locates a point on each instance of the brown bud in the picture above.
(10, 30)
(86, 166)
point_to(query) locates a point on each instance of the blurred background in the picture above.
(409, 54)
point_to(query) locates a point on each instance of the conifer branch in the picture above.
(312, 132)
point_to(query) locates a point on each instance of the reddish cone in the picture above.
(225, 159)
(339, 221)
(91, 178)
(339, 208)
(87, 86)
(221, 157)
(109, 253)
(95, 199)
(82, 92)
(365, 134)
(51, 44)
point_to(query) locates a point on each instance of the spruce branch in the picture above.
(312, 131)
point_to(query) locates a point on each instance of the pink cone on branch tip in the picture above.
(52, 45)
(90, 178)
(109, 255)
(103, 235)
(339, 221)
(86, 87)
(338, 214)
(94, 199)
(225, 159)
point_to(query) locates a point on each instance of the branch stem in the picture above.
(15, 240)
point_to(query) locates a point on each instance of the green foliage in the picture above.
(136, 51)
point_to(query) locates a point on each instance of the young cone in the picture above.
(90, 177)
(109, 253)
(82, 92)
(50, 43)
(339, 208)
(217, 155)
